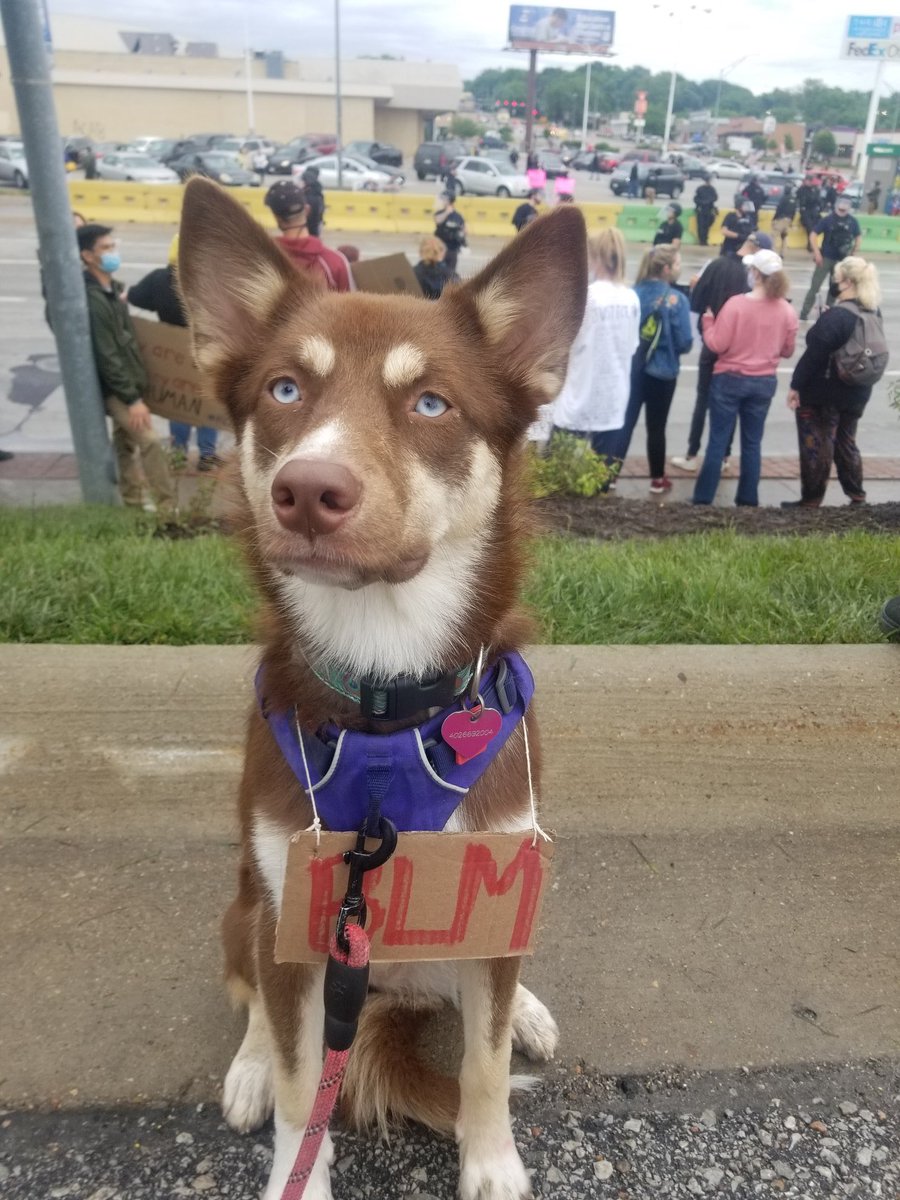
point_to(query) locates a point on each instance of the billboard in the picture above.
(560, 30)
(872, 38)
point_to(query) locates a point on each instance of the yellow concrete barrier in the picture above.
(601, 216)
(367, 212)
(413, 213)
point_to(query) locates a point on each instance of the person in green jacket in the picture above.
(123, 377)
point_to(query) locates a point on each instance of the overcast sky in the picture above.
(784, 41)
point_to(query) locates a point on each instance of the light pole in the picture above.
(672, 13)
(725, 71)
(587, 96)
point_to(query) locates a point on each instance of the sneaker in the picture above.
(210, 462)
(890, 617)
(684, 462)
(660, 485)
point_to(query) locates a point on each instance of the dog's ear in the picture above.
(230, 274)
(529, 303)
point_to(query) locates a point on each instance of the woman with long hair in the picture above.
(827, 408)
(750, 334)
(665, 334)
(595, 393)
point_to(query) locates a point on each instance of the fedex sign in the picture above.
(872, 38)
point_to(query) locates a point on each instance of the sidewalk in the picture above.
(726, 892)
(31, 479)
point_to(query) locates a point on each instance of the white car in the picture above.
(355, 174)
(487, 177)
(134, 168)
(258, 150)
(725, 168)
(13, 167)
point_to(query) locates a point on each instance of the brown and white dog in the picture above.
(380, 448)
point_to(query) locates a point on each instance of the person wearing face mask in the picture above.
(665, 334)
(749, 335)
(123, 377)
(671, 231)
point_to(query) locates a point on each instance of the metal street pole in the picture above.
(671, 105)
(60, 261)
(337, 92)
(532, 97)
(870, 120)
(587, 96)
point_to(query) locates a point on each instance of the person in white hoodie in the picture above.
(595, 394)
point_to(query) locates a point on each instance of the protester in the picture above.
(705, 199)
(315, 199)
(785, 211)
(634, 182)
(826, 407)
(89, 162)
(291, 211)
(835, 237)
(749, 335)
(665, 334)
(527, 210)
(595, 394)
(671, 231)
(451, 185)
(123, 377)
(157, 293)
(450, 227)
(431, 270)
(874, 198)
(737, 227)
(721, 279)
(753, 191)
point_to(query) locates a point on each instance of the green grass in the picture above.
(98, 575)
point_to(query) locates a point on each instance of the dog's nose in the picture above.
(313, 497)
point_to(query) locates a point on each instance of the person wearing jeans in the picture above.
(751, 333)
(731, 397)
(665, 334)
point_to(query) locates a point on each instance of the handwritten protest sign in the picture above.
(175, 389)
(441, 895)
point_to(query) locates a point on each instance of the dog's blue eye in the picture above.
(431, 406)
(285, 391)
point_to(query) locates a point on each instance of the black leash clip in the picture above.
(361, 860)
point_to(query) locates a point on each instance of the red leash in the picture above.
(338, 985)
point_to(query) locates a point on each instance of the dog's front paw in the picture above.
(534, 1032)
(248, 1096)
(498, 1175)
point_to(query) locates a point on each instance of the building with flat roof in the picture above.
(114, 84)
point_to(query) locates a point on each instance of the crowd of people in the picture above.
(627, 357)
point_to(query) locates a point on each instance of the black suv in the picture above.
(433, 158)
(380, 152)
(663, 178)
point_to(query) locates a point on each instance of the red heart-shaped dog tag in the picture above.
(470, 730)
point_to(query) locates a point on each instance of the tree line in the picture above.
(560, 97)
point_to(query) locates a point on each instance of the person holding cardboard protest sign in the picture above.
(123, 377)
(156, 293)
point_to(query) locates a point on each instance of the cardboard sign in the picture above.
(564, 186)
(175, 389)
(537, 178)
(389, 275)
(440, 895)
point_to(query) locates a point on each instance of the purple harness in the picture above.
(411, 777)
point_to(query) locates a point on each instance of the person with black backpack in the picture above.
(834, 238)
(846, 354)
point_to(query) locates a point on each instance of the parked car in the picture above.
(495, 154)
(355, 174)
(284, 158)
(380, 152)
(183, 148)
(74, 148)
(258, 150)
(690, 166)
(639, 156)
(396, 177)
(136, 168)
(13, 167)
(552, 162)
(154, 147)
(433, 158)
(485, 177)
(854, 193)
(725, 168)
(664, 178)
(213, 164)
(493, 141)
(208, 139)
(771, 182)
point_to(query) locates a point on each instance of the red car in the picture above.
(608, 163)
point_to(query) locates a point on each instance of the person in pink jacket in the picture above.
(750, 334)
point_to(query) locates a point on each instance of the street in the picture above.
(32, 409)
